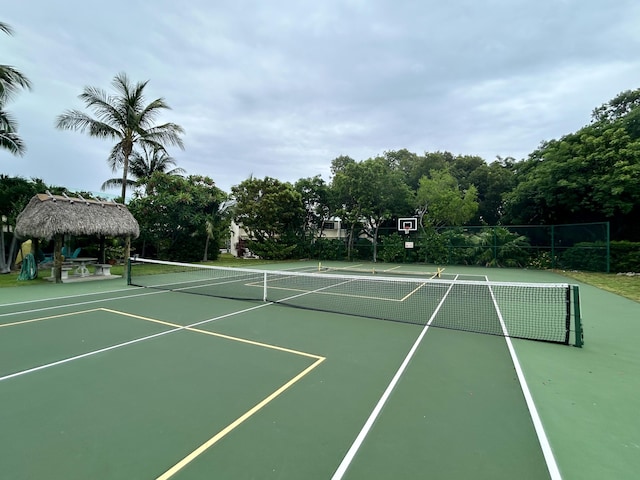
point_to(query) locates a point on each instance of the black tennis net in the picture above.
(537, 311)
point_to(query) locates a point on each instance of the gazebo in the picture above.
(50, 216)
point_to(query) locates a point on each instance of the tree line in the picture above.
(591, 175)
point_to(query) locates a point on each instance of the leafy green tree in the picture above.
(493, 182)
(588, 176)
(414, 167)
(15, 193)
(347, 190)
(440, 201)
(143, 165)
(272, 214)
(125, 117)
(180, 217)
(11, 81)
(370, 193)
(463, 167)
(316, 198)
(617, 108)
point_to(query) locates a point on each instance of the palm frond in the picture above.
(116, 158)
(12, 142)
(11, 81)
(125, 116)
(167, 133)
(6, 28)
(80, 121)
(116, 183)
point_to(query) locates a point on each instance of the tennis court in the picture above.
(110, 382)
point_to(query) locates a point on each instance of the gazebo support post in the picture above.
(127, 248)
(102, 253)
(57, 258)
(35, 251)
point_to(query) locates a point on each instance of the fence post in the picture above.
(608, 249)
(553, 247)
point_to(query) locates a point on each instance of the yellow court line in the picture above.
(412, 292)
(215, 334)
(213, 440)
(140, 317)
(258, 344)
(241, 419)
(22, 322)
(420, 286)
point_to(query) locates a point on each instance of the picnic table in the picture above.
(81, 267)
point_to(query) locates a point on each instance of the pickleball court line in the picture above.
(125, 344)
(357, 443)
(214, 334)
(238, 421)
(90, 294)
(149, 337)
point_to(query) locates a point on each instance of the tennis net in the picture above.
(545, 312)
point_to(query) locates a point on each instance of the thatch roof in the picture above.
(47, 215)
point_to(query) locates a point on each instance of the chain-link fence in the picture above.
(569, 247)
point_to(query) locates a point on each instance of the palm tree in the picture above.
(11, 80)
(143, 165)
(123, 117)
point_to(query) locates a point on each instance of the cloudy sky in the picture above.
(281, 87)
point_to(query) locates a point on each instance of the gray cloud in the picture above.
(281, 88)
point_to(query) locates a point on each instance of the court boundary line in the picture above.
(149, 337)
(543, 440)
(69, 305)
(125, 344)
(183, 462)
(89, 294)
(364, 431)
(247, 414)
(237, 422)
(214, 334)
(39, 319)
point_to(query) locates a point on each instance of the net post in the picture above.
(579, 340)
(264, 288)
(129, 271)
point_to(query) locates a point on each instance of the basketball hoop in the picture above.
(407, 225)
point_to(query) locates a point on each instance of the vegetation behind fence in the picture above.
(584, 247)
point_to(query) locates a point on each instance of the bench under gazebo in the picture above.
(50, 216)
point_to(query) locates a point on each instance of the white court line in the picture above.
(88, 302)
(77, 304)
(355, 446)
(51, 299)
(124, 344)
(552, 465)
(149, 337)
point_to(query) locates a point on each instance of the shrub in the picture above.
(392, 248)
(625, 256)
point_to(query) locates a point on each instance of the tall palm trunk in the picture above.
(127, 148)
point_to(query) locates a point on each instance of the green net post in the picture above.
(129, 271)
(579, 341)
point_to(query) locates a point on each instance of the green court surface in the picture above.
(107, 381)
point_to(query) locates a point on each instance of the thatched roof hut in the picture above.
(50, 216)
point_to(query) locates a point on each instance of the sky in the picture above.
(280, 88)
